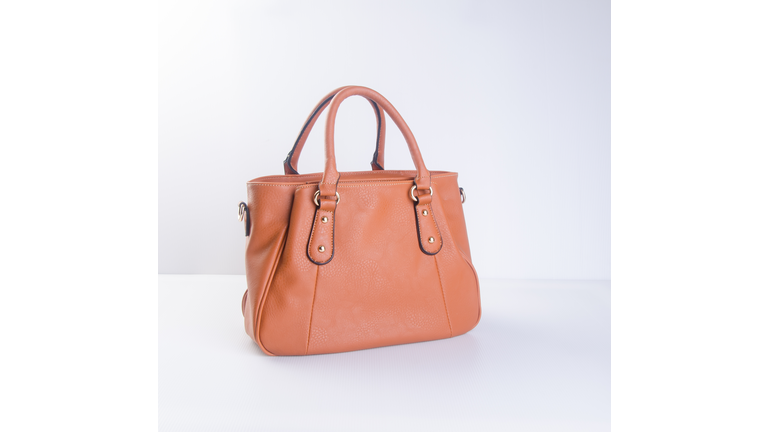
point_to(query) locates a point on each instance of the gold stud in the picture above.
(424, 212)
(324, 219)
(321, 248)
(431, 240)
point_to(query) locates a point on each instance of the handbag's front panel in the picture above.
(380, 288)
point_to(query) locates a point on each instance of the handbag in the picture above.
(344, 261)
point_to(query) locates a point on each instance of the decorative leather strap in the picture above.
(290, 164)
(430, 240)
(322, 233)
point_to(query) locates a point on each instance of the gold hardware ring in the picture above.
(317, 194)
(413, 188)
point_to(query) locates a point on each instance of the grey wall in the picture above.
(514, 96)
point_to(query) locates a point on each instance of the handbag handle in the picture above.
(290, 163)
(320, 247)
(331, 174)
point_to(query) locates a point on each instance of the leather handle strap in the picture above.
(320, 246)
(290, 163)
(331, 174)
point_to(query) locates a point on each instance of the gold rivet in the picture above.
(431, 240)
(324, 220)
(321, 248)
(424, 212)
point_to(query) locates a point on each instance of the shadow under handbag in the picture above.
(353, 260)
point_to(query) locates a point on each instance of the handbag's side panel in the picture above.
(453, 210)
(287, 311)
(270, 207)
(460, 281)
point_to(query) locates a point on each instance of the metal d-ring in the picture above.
(463, 195)
(413, 188)
(317, 194)
(244, 214)
(241, 209)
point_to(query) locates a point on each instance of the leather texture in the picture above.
(346, 261)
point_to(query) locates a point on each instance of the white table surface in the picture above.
(538, 361)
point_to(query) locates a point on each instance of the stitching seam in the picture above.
(309, 176)
(440, 279)
(319, 174)
(333, 226)
(312, 310)
(360, 184)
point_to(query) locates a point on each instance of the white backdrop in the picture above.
(513, 95)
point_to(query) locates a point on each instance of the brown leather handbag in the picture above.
(347, 261)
